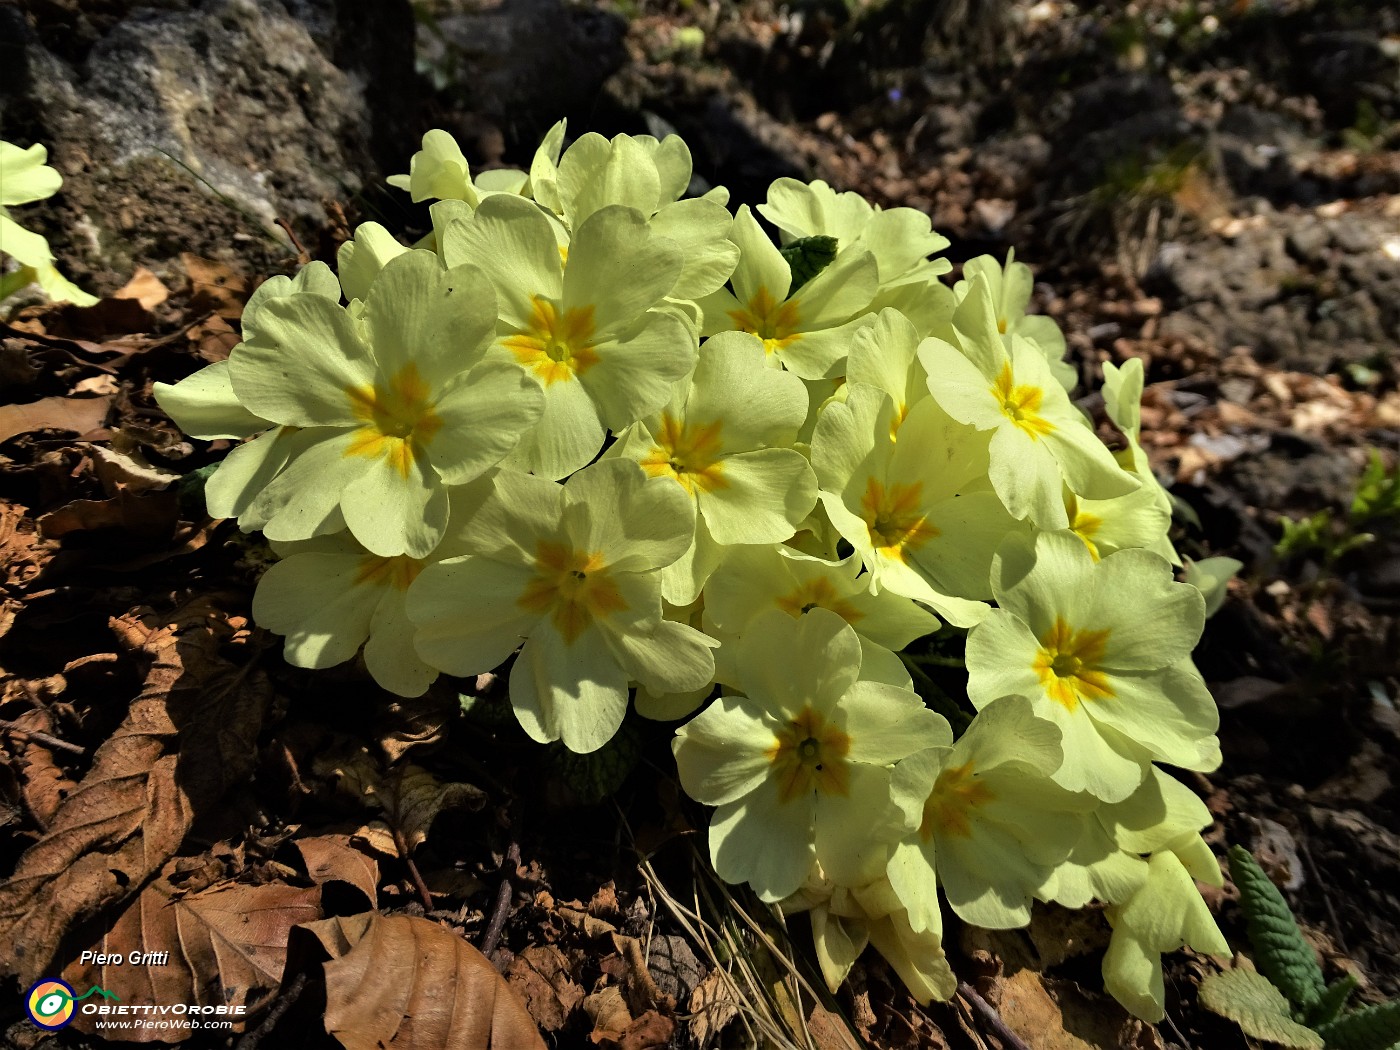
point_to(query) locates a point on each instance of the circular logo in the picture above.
(50, 1003)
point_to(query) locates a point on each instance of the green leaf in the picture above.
(1370, 1028)
(1280, 952)
(1248, 999)
(594, 776)
(808, 256)
(1333, 999)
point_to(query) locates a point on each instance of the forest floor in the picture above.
(1211, 187)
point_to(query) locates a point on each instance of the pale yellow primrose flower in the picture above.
(754, 580)
(585, 330)
(1102, 649)
(650, 175)
(809, 330)
(845, 919)
(725, 438)
(393, 407)
(440, 171)
(1040, 441)
(205, 406)
(573, 572)
(25, 178)
(799, 768)
(1122, 397)
(1011, 288)
(917, 509)
(900, 239)
(987, 823)
(1167, 913)
(1107, 525)
(330, 596)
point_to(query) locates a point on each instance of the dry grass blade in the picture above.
(739, 951)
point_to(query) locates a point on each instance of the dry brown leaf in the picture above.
(712, 1006)
(189, 736)
(541, 976)
(151, 516)
(1058, 1015)
(74, 415)
(401, 981)
(126, 467)
(651, 1031)
(607, 1009)
(145, 287)
(331, 858)
(830, 1031)
(410, 797)
(215, 286)
(223, 946)
(43, 783)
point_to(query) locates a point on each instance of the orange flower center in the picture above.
(809, 754)
(1067, 665)
(818, 593)
(773, 322)
(556, 347)
(690, 453)
(397, 572)
(1021, 404)
(397, 418)
(894, 519)
(949, 806)
(572, 587)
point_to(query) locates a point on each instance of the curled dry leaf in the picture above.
(44, 784)
(331, 858)
(405, 982)
(409, 796)
(145, 287)
(188, 737)
(542, 976)
(226, 946)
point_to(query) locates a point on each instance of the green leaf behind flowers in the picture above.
(807, 257)
(1370, 1028)
(1281, 954)
(1248, 999)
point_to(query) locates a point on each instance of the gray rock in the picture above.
(194, 128)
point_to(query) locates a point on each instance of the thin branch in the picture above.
(43, 738)
(1008, 1038)
(501, 912)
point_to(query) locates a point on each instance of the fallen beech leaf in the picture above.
(189, 736)
(541, 976)
(830, 1031)
(214, 339)
(226, 946)
(23, 555)
(74, 415)
(402, 981)
(145, 287)
(331, 858)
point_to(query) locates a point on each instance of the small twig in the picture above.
(274, 1014)
(42, 738)
(1008, 1038)
(303, 256)
(1326, 897)
(422, 887)
(501, 911)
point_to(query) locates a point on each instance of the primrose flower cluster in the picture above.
(631, 442)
